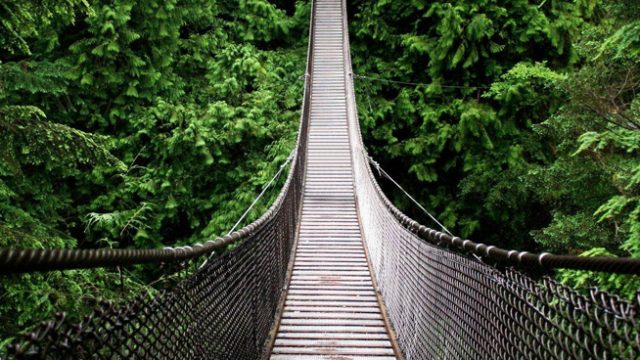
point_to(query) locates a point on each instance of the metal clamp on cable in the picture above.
(376, 165)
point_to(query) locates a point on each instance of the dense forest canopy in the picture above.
(136, 124)
(155, 123)
(525, 132)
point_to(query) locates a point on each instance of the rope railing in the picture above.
(445, 298)
(542, 261)
(225, 309)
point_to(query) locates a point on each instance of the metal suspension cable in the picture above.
(264, 190)
(545, 261)
(408, 83)
(255, 201)
(382, 172)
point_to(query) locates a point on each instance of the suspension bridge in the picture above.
(334, 271)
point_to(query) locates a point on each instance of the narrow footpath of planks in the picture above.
(331, 309)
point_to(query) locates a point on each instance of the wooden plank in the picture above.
(333, 342)
(336, 287)
(329, 357)
(334, 303)
(332, 350)
(331, 293)
(331, 308)
(315, 284)
(331, 278)
(332, 322)
(333, 329)
(296, 314)
(323, 262)
(342, 336)
(329, 272)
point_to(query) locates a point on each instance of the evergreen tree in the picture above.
(136, 124)
(523, 133)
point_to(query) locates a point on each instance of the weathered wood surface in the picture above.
(331, 310)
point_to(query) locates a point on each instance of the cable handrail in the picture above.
(543, 260)
(16, 260)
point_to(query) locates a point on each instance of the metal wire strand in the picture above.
(264, 190)
(409, 83)
(382, 172)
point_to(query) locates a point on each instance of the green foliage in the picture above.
(136, 124)
(21, 20)
(464, 143)
(598, 137)
(618, 284)
(149, 123)
(524, 132)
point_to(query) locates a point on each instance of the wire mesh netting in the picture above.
(442, 301)
(448, 303)
(225, 310)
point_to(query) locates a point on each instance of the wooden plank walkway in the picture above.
(331, 309)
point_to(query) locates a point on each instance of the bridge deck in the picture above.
(331, 310)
